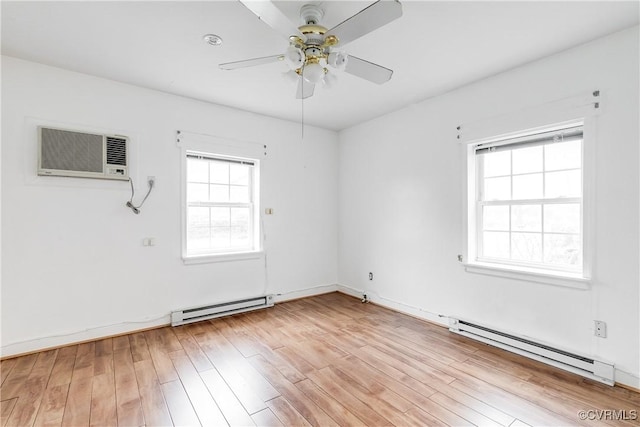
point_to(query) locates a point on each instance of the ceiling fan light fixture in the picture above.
(294, 57)
(313, 72)
(338, 60)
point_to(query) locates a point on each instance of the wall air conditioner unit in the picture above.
(81, 154)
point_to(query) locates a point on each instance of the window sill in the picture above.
(226, 257)
(547, 277)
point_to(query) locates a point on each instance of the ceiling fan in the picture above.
(312, 54)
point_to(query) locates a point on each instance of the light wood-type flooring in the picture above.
(327, 360)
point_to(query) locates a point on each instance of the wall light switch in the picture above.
(149, 241)
(268, 211)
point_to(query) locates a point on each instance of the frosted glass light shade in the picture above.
(338, 60)
(313, 73)
(294, 57)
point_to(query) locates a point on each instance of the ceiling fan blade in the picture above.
(371, 18)
(305, 89)
(250, 62)
(368, 70)
(272, 16)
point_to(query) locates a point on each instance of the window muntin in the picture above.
(529, 201)
(220, 205)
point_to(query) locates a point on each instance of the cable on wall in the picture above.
(134, 208)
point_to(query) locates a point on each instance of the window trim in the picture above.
(256, 251)
(540, 274)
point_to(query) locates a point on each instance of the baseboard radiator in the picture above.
(196, 314)
(587, 367)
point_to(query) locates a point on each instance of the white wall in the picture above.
(73, 262)
(402, 198)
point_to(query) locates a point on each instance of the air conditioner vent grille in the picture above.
(116, 151)
(66, 150)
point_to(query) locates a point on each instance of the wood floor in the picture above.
(328, 360)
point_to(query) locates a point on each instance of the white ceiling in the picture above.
(434, 47)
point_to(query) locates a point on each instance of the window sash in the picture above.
(249, 205)
(542, 233)
(545, 138)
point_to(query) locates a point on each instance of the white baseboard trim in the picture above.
(358, 293)
(396, 306)
(304, 293)
(64, 339)
(627, 379)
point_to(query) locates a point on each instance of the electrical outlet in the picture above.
(370, 276)
(152, 179)
(600, 329)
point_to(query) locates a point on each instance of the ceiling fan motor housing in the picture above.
(311, 14)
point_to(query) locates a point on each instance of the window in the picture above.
(221, 215)
(529, 201)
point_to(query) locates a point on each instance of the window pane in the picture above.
(240, 217)
(219, 172)
(495, 244)
(563, 184)
(219, 193)
(526, 218)
(197, 192)
(527, 186)
(239, 174)
(496, 164)
(563, 249)
(526, 247)
(497, 188)
(197, 217)
(495, 218)
(527, 160)
(563, 218)
(563, 155)
(220, 217)
(240, 237)
(197, 238)
(220, 237)
(239, 194)
(197, 170)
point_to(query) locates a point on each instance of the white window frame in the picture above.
(255, 252)
(475, 263)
